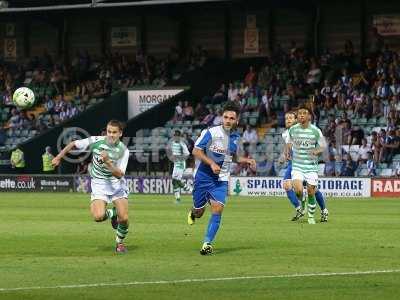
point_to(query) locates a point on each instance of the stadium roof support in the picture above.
(102, 4)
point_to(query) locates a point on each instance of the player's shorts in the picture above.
(311, 177)
(205, 190)
(288, 172)
(177, 173)
(108, 191)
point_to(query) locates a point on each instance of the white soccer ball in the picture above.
(24, 97)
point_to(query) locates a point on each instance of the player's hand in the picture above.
(215, 168)
(252, 163)
(104, 156)
(315, 152)
(55, 161)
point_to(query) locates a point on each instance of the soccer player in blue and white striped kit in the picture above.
(214, 151)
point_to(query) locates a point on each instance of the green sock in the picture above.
(111, 212)
(311, 206)
(122, 231)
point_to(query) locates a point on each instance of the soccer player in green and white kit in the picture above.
(179, 153)
(107, 170)
(307, 143)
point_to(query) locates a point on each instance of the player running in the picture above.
(305, 144)
(107, 170)
(290, 120)
(215, 149)
(179, 153)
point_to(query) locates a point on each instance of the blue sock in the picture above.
(293, 198)
(320, 199)
(213, 225)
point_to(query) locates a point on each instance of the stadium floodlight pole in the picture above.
(44, 8)
(154, 2)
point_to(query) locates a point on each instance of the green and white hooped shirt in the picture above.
(118, 154)
(303, 141)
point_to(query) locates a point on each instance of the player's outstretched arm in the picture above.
(199, 154)
(56, 160)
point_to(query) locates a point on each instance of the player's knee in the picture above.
(123, 218)
(287, 186)
(98, 216)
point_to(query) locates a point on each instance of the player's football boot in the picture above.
(190, 218)
(299, 214)
(324, 215)
(114, 219)
(206, 249)
(120, 248)
(311, 220)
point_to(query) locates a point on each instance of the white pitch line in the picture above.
(122, 284)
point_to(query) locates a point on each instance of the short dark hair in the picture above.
(231, 106)
(177, 133)
(304, 107)
(116, 123)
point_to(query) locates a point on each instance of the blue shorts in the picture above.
(205, 190)
(288, 172)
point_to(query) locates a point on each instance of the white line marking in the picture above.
(89, 285)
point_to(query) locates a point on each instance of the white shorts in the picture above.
(177, 173)
(311, 178)
(108, 191)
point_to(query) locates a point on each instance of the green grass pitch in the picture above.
(51, 246)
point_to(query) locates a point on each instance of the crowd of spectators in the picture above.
(356, 104)
(66, 89)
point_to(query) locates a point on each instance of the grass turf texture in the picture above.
(49, 239)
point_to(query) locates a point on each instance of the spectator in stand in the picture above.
(188, 113)
(265, 166)
(349, 166)
(15, 120)
(251, 102)
(209, 118)
(178, 112)
(232, 92)
(390, 146)
(218, 119)
(220, 96)
(371, 166)
(314, 74)
(251, 77)
(250, 135)
(396, 170)
(330, 166)
(364, 151)
(200, 111)
(189, 142)
(49, 104)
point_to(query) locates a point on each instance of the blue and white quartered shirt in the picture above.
(220, 146)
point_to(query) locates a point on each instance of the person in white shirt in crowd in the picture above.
(218, 119)
(232, 92)
(364, 151)
(250, 135)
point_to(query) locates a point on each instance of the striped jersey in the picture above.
(285, 137)
(220, 146)
(179, 152)
(303, 141)
(118, 154)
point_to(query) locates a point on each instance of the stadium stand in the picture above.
(356, 106)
